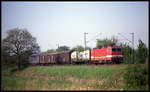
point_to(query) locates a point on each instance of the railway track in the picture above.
(92, 64)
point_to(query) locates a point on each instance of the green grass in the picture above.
(111, 77)
(83, 71)
(13, 82)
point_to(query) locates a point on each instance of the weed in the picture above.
(136, 76)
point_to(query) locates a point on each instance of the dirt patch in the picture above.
(80, 88)
(112, 89)
(71, 79)
(5, 73)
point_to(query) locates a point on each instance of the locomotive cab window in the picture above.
(113, 49)
(119, 49)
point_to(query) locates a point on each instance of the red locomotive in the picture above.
(111, 54)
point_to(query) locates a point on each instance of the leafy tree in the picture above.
(106, 42)
(18, 41)
(25, 57)
(5, 56)
(141, 53)
(51, 51)
(62, 48)
(78, 48)
(136, 76)
(126, 53)
(88, 48)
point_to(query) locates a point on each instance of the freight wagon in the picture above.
(80, 57)
(51, 58)
(34, 59)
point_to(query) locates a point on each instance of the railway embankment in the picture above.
(73, 77)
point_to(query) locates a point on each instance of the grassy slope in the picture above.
(65, 78)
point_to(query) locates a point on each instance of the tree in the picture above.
(141, 53)
(78, 48)
(62, 48)
(88, 48)
(19, 41)
(5, 56)
(25, 57)
(7, 60)
(126, 53)
(106, 42)
(51, 51)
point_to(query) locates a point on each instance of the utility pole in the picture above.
(58, 45)
(132, 47)
(85, 40)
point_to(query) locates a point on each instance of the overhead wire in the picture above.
(94, 37)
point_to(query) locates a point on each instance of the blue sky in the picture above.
(64, 23)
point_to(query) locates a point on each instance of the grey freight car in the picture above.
(34, 59)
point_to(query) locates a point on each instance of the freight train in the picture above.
(109, 54)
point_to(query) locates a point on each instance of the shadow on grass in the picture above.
(24, 66)
(13, 70)
(21, 69)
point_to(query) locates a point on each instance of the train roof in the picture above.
(114, 46)
(35, 55)
(60, 52)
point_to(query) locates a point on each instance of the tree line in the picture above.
(20, 44)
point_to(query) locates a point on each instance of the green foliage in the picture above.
(7, 60)
(25, 57)
(78, 48)
(62, 48)
(12, 82)
(88, 48)
(106, 42)
(83, 71)
(5, 56)
(141, 53)
(136, 76)
(51, 51)
(126, 54)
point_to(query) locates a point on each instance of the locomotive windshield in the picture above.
(116, 49)
(119, 49)
(113, 49)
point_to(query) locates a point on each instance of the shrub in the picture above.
(136, 76)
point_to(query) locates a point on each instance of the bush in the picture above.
(136, 76)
